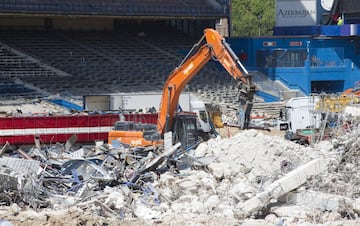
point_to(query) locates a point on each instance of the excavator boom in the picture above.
(215, 48)
(184, 125)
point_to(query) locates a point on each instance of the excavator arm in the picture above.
(215, 47)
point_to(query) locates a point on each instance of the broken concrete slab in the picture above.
(356, 205)
(320, 200)
(289, 182)
(295, 211)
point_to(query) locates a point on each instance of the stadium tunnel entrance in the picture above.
(327, 86)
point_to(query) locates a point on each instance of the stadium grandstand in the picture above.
(76, 48)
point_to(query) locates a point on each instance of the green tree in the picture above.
(251, 17)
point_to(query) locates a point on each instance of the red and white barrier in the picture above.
(52, 129)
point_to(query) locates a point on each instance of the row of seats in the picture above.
(110, 62)
(14, 68)
(126, 7)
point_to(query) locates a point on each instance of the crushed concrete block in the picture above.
(200, 151)
(197, 206)
(116, 200)
(145, 212)
(351, 111)
(320, 200)
(356, 205)
(181, 206)
(242, 192)
(15, 172)
(325, 146)
(224, 210)
(220, 170)
(299, 212)
(289, 182)
(295, 214)
(212, 202)
(188, 185)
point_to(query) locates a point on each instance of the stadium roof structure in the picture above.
(118, 8)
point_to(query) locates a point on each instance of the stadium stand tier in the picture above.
(120, 46)
(101, 62)
(147, 8)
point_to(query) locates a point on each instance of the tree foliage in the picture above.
(251, 17)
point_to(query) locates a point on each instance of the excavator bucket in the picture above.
(215, 115)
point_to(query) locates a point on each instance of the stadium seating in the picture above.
(135, 60)
(16, 68)
(117, 7)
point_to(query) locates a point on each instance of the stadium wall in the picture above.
(309, 64)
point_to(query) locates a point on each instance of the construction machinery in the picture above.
(183, 125)
(310, 119)
(215, 115)
(302, 121)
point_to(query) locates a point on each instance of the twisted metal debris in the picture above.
(220, 178)
(343, 176)
(57, 175)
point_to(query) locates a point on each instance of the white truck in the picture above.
(300, 114)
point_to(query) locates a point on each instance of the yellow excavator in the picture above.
(183, 124)
(337, 103)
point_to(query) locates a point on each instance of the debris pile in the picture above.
(342, 178)
(250, 178)
(28, 107)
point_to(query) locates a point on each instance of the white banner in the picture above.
(296, 13)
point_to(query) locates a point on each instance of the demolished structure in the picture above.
(249, 179)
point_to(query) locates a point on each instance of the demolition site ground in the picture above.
(249, 177)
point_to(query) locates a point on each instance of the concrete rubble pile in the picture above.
(29, 107)
(250, 178)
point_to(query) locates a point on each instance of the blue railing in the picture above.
(66, 104)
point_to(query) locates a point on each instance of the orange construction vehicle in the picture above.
(183, 124)
(351, 91)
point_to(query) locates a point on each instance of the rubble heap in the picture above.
(250, 179)
(342, 177)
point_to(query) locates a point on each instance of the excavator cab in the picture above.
(185, 129)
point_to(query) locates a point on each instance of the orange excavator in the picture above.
(182, 125)
(352, 91)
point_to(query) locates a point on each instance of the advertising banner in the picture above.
(296, 13)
